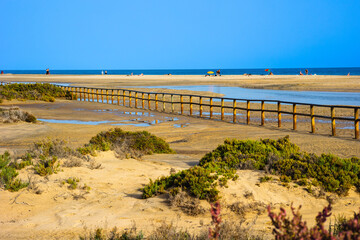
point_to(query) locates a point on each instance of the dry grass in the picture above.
(15, 114)
(189, 205)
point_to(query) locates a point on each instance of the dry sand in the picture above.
(283, 82)
(115, 196)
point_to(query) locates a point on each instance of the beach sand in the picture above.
(115, 196)
(282, 82)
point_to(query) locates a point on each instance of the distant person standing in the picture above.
(47, 72)
(2, 72)
(102, 72)
(218, 73)
(306, 72)
(105, 72)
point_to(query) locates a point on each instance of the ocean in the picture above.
(255, 71)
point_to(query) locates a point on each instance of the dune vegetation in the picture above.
(43, 155)
(278, 157)
(37, 91)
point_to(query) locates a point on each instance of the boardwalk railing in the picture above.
(272, 112)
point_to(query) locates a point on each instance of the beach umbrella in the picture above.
(210, 72)
(266, 70)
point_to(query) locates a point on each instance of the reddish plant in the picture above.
(295, 228)
(214, 233)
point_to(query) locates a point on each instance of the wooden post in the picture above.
(92, 94)
(129, 98)
(333, 127)
(102, 96)
(112, 96)
(247, 112)
(124, 100)
(222, 109)
(201, 108)
(149, 104)
(142, 100)
(75, 91)
(182, 105)
(211, 107)
(88, 93)
(279, 114)
(156, 101)
(234, 111)
(136, 99)
(312, 119)
(163, 99)
(172, 103)
(107, 96)
(356, 122)
(80, 94)
(294, 116)
(191, 105)
(262, 113)
(118, 97)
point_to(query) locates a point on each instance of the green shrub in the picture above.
(285, 159)
(265, 179)
(73, 182)
(4, 159)
(47, 166)
(133, 144)
(38, 91)
(20, 165)
(8, 174)
(8, 179)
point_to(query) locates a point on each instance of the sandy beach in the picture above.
(115, 196)
(281, 82)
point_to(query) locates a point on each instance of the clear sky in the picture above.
(187, 34)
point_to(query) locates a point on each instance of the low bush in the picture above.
(197, 181)
(73, 182)
(47, 166)
(129, 144)
(52, 148)
(8, 175)
(15, 114)
(4, 159)
(285, 159)
(187, 204)
(38, 91)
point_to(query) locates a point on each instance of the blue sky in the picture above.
(151, 34)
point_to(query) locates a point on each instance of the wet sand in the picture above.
(114, 198)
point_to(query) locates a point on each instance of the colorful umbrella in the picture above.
(210, 72)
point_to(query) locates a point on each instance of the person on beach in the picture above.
(47, 72)
(2, 72)
(301, 73)
(102, 72)
(349, 74)
(105, 72)
(306, 72)
(218, 73)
